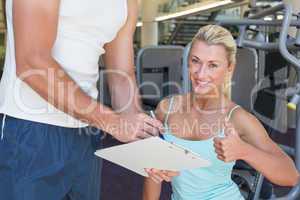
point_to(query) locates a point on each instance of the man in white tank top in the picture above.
(48, 95)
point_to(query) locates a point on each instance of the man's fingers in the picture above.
(141, 137)
(153, 122)
(150, 130)
(142, 134)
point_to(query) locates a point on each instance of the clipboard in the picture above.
(152, 152)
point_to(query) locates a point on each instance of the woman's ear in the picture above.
(231, 67)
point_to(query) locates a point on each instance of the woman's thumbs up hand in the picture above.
(231, 147)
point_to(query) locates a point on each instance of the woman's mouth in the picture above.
(202, 83)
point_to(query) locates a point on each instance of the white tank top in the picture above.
(84, 27)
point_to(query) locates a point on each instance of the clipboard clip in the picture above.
(184, 150)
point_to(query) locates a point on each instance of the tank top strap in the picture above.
(231, 111)
(227, 118)
(169, 111)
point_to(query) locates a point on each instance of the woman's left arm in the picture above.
(246, 139)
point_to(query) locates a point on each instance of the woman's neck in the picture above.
(209, 104)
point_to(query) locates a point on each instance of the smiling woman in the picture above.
(219, 58)
(48, 101)
(239, 136)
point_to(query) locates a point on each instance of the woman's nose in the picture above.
(202, 72)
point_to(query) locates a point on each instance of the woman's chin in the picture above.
(201, 90)
(204, 92)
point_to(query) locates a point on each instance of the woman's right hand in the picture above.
(161, 175)
(132, 127)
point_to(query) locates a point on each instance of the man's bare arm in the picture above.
(119, 60)
(35, 27)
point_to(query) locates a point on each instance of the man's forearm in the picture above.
(124, 92)
(56, 87)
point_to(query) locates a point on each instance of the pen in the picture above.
(154, 117)
(152, 114)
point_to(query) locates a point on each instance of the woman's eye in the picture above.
(213, 65)
(194, 61)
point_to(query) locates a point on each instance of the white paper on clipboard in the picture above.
(152, 152)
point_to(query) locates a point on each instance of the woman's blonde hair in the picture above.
(217, 35)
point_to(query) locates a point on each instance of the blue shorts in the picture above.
(42, 161)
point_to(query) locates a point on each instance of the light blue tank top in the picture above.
(210, 183)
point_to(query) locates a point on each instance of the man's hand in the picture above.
(132, 127)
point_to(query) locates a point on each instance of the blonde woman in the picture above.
(48, 101)
(207, 122)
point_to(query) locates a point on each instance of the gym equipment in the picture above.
(284, 45)
(159, 73)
